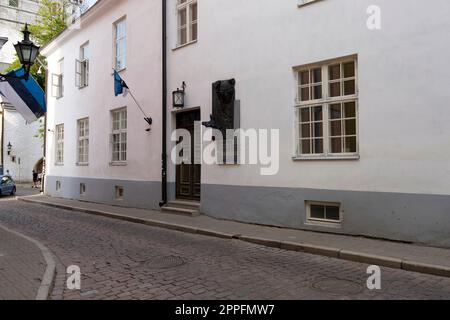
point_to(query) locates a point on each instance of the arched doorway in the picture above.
(39, 166)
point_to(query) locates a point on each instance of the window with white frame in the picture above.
(323, 212)
(327, 110)
(120, 44)
(187, 21)
(119, 135)
(14, 3)
(82, 67)
(58, 80)
(59, 135)
(83, 141)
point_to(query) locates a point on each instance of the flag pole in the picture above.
(147, 119)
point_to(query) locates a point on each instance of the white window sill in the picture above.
(118, 163)
(302, 3)
(120, 70)
(59, 164)
(321, 158)
(323, 223)
(184, 45)
(84, 164)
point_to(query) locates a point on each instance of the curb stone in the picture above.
(50, 270)
(332, 252)
(371, 259)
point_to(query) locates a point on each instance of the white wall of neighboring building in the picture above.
(12, 20)
(26, 148)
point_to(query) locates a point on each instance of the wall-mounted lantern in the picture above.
(178, 96)
(8, 148)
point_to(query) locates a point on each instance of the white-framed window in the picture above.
(323, 212)
(82, 67)
(187, 21)
(59, 136)
(14, 3)
(327, 110)
(120, 44)
(83, 141)
(58, 80)
(119, 135)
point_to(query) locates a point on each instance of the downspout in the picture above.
(164, 106)
(44, 163)
(2, 113)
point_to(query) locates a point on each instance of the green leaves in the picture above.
(50, 22)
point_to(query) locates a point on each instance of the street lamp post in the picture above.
(9, 148)
(27, 52)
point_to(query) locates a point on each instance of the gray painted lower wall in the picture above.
(137, 194)
(416, 218)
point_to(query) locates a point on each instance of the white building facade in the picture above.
(98, 148)
(357, 93)
(26, 153)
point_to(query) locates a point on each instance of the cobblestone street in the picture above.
(121, 260)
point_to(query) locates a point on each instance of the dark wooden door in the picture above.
(189, 174)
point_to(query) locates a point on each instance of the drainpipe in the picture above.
(164, 106)
(2, 129)
(44, 163)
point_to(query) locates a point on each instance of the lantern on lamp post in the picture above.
(9, 148)
(27, 51)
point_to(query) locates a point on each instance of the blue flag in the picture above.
(120, 86)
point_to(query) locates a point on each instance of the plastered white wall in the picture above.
(403, 86)
(143, 76)
(26, 148)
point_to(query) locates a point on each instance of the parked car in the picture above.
(7, 186)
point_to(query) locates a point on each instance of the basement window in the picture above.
(119, 193)
(58, 185)
(323, 212)
(82, 189)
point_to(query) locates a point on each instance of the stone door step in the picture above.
(182, 208)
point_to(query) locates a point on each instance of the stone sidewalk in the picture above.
(409, 257)
(23, 268)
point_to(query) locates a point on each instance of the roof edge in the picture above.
(63, 35)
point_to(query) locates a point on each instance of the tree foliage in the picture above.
(50, 22)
